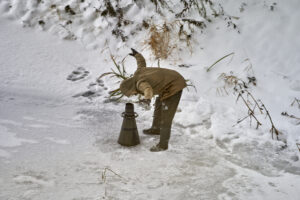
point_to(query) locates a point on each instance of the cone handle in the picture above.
(124, 114)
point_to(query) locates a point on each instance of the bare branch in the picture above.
(108, 169)
(250, 111)
(240, 120)
(298, 145)
(249, 94)
(104, 178)
(273, 128)
(296, 101)
(290, 116)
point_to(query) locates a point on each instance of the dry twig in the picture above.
(104, 178)
(240, 120)
(261, 108)
(290, 116)
(231, 81)
(273, 128)
(105, 171)
(298, 145)
(190, 84)
(296, 101)
(242, 88)
(256, 104)
(250, 112)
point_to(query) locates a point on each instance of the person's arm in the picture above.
(146, 89)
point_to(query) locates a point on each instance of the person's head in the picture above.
(127, 87)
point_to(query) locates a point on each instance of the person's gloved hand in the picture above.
(145, 101)
(147, 90)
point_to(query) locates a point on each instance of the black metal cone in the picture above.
(129, 109)
(129, 134)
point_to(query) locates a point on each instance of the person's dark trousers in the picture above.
(164, 113)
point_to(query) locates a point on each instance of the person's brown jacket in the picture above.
(153, 81)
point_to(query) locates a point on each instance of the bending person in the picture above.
(167, 84)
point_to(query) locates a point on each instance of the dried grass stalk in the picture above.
(210, 67)
(160, 41)
(104, 179)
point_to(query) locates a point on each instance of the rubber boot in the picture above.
(165, 133)
(155, 128)
(151, 131)
(158, 148)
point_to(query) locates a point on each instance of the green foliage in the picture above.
(120, 73)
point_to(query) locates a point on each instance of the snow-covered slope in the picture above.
(58, 131)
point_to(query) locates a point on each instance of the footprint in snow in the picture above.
(32, 178)
(295, 85)
(78, 74)
(95, 89)
(5, 7)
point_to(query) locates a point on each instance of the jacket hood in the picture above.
(140, 60)
(134, 52)
(128, 87)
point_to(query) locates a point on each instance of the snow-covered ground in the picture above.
(55, 143)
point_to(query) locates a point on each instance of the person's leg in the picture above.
(155, 128)
(157, 114)
(168, 110)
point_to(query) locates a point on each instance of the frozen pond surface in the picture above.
(59, 151)
(56, 147)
